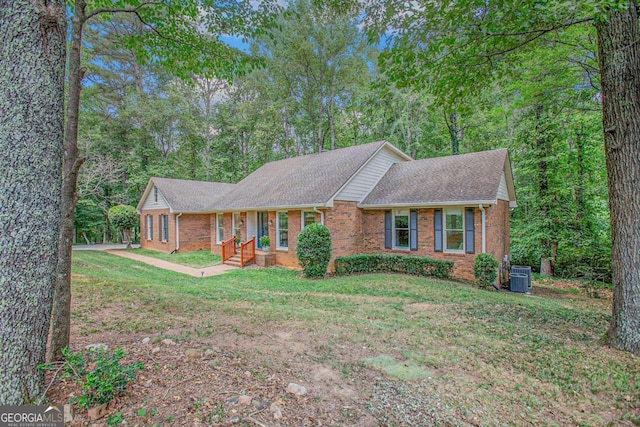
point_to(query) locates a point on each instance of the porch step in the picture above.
(234, 260)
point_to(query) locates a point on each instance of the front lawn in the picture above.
(375, 349)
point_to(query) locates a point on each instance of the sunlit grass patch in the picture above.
(402, 370)
(195, 259)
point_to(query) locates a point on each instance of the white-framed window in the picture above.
(307, 217)
(401, 229)
(282, 230)
(454, 230)
(149, 225)
(237, 224)
(219, 228)
(155, 194)
(164, 228)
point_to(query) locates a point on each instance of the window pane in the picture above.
(283, 219)
(309, 218)
(455, 240)
(220, 227)
(402, 222)
(402, 238)
(283, 230)
(401, 229)
(454, 227)
(454, 220)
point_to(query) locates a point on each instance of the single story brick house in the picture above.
(372, 197)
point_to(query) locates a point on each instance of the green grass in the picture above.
(504, 357)
(196, 259)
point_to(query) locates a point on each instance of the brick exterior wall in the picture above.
(156, 243)
(227, 225)
(345, 222)
(286, 258)
(373, 237)
(497, 224)
(194, 232)
(353, 231)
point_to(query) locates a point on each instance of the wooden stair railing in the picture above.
(228, 248)
(248, 251)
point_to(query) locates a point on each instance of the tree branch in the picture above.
(120, 10)
(543, 30)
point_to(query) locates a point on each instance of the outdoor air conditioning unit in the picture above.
(518, 283)
(523, 269)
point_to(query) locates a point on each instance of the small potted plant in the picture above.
(265, 242)
(238, 241)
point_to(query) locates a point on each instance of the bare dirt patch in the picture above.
(239, 376)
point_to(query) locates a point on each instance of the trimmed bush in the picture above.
(383, 263)
(485, 269)
(313, 249)
(124, 217)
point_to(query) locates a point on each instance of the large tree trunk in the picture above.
(619, 62)
(32, 60)
(61, 314)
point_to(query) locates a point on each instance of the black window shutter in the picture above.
(413, 230)
(469, 231)
(437, 230)
(387, 229)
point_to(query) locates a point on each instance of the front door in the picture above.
(262, 226)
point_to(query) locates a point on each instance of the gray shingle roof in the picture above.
(190, 196)
(463, 178)
(299, 181)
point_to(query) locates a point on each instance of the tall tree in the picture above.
(32, 58)
(471, 42)
(316, 57)
(171, 35)
(619, 61)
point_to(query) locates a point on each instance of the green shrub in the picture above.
(384, 263)
(313, 249)
(485, 269)
(124, 217)
(99, 373)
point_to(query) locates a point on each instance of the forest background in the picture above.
(321, 82)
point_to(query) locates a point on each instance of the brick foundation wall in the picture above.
(155, 243)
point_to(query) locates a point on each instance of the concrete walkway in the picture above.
(166, 265)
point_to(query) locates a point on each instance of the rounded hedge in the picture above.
(313, 249)
(485, 269)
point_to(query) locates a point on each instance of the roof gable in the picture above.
(311, 180)
(460, 179)
(184, 195)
